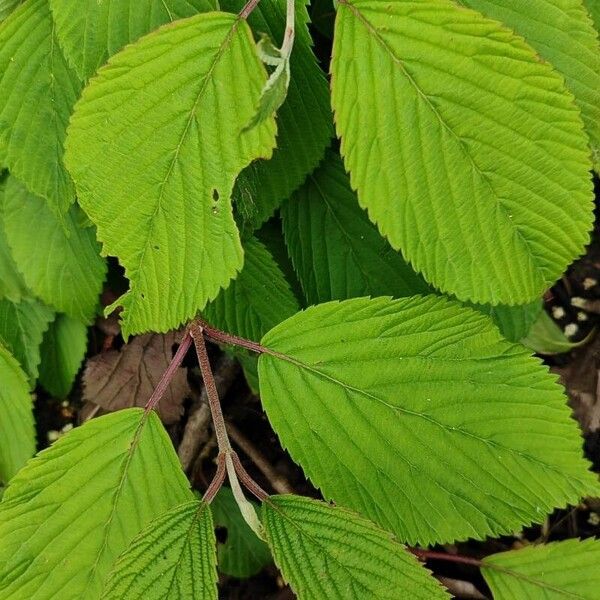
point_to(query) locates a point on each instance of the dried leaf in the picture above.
(121, 379)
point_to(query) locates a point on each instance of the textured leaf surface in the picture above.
(90, 31)
(593, 7)
(336, 251)
(127, 377)
(514, 322)
(37, 93)
(123, 468)
(62, 352)
(304, 124)
(6, 7)
(478, 170)
(563, 33)
(154, 147)
(17, 433)
(243, 554)
(327, 552)
(257, 300)
(12, 285)
(59, 260)
(416, 413)
(171, 559)
(22, 327)
(558, 571)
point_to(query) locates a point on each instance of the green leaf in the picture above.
(89, 34)
(467, 150)
(336, 251)
(171, 559)
(555, 571)
(243, 554)
(12, 285)
(304, 120)
(6, 7)
(22, 327)
(62, 352)
(37, 93)
(17, 433)
(257, 300)
(59, 260)
(563, 33)
(418, 414)
(514, 322)
(275, 91)
(329, 552)
(546, 337)
(593, 7)
(171, 90)
(68, 515)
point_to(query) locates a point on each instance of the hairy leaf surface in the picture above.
(22, 327)
(467, 150)
(563, 33)
(418, 414)
(62, 352)
(59, 260)
(243, 554)
(336, 251)
(554, 571)
(173, 558)
(17, 433)
(154, 147)
(123, 468)
(37, 93)
(90, 31)
(304, 125)
(329, 552)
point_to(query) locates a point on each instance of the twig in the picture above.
(218, 479)
(248, 8)
(216, 335)
(195, 432)
(457, 558)
(168, 375)
(278, 483)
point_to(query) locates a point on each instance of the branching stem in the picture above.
(216, 335)
(248, 8)
(456, 558)
(168, 375)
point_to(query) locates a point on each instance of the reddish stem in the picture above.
(216, 335)
(217, 481)
(247, 480)
(456, 558)
(196, 331)
(168, 375)
(248, 8)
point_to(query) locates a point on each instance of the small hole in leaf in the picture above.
(221, 534)
(215, 195)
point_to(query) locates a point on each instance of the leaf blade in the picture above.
(329, 552)
(177, 551)
(43, 504)
(17, 432)
(180, 222)
(387, 440)
(453, 176)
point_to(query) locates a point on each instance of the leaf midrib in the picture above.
(152, 219)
